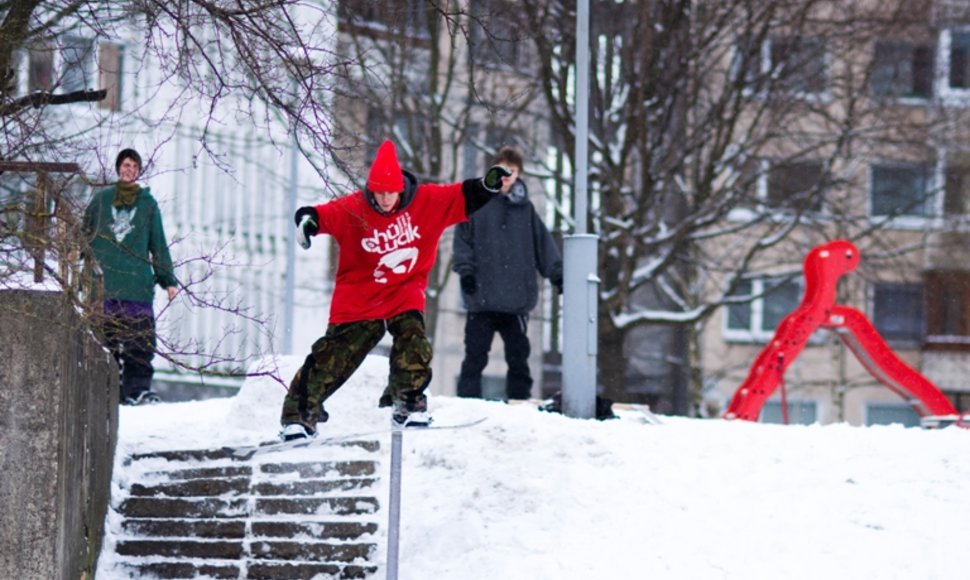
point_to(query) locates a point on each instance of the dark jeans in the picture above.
(131, 340)
(480, 329)
(335, 357)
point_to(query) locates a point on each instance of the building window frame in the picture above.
(77, 55)
(77, 64)
(767, 62)
(947, 310)
(883, 202)
(800, 412)
(407, 18)
(902, 70)
(502, 48)
(891, 413)
(896, 310)
(756, 320)
(779, 192)
(956, 190)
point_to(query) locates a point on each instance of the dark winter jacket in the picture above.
(504, 245)
(129, 245)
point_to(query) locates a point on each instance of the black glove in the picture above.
(468, 284)
(493, 177)
(557, 284)
(306, 226)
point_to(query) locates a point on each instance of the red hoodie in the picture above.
(385, 259)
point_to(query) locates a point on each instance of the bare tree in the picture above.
(196, 67)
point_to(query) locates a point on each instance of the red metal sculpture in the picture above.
(824, 265)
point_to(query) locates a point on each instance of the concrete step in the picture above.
(313, 486)
(237, 529)
(216, 487)
(207, 472)
(321, 469)
(253, 571)
(215, 454)
(164, 507)
(185, 528)
(208, 487)
(305, 550)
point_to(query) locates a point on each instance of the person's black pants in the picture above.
(131, 340)
(480, 329)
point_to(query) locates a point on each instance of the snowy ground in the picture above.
(529, 495)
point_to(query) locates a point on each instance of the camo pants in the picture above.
(334, 358)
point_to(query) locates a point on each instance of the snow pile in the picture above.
(530, 495)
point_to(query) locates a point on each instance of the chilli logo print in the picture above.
(393, 245)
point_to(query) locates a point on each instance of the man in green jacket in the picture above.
(123, 225)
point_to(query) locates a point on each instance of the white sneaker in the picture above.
(418, 419)
(401, 417)
(142, 398)
(294, 431)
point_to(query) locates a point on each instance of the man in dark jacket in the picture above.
(124, 228)
(497, 254)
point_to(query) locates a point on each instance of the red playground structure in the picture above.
(823, 266)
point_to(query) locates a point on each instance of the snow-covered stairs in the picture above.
(202, 514)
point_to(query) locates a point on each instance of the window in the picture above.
(891, 413)
(110, 74)
(897, 311)
(902, 69)
(801, 62)
(40, 68)
(757, 319)
(798, 64)
(493, 38)
(76, 63)
(899, 190)
(409, 17)
(959, 77)
(794, 185)
(956, 190)
(799, 412)
(947, 309)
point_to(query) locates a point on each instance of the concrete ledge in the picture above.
(58, 431)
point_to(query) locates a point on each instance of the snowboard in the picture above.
(244, 452)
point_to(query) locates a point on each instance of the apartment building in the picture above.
(901, 196)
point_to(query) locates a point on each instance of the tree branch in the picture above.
(43, 98)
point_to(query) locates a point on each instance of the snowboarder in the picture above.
(388, 236)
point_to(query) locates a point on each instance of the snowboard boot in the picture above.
(295, 431)
(407, 416)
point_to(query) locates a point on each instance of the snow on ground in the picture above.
(531, 495)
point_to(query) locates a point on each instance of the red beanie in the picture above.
(385, 174)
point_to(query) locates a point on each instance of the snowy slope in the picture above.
(529, 495)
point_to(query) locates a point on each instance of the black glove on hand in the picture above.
(557, 284)
(468, 284)
(493, 177)
(306, 226)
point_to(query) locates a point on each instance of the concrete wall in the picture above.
(58, 430)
